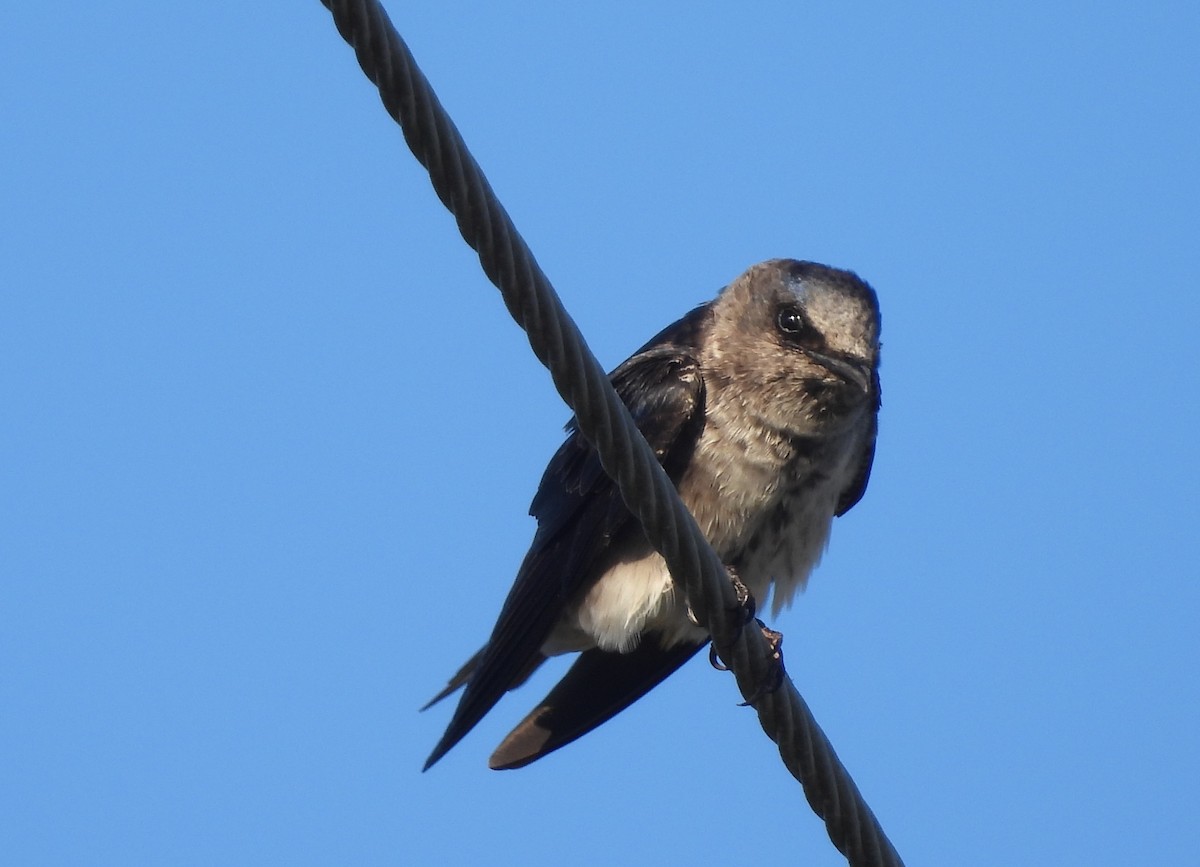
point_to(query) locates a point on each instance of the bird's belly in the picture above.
(773, 550)
(631, 598)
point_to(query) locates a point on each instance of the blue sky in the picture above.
(269, 436)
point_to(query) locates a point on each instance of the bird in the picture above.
(762, 407)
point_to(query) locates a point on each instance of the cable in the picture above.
(606, 424)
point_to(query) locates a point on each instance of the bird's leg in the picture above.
(774, 676)
(745, 598)
(746, 604)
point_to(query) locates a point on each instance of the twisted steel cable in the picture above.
(607, 425)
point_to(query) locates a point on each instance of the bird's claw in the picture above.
(746, 605)
(774, 677)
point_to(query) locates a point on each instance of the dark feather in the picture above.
(583, 523)
(854, 492)
(598, 686)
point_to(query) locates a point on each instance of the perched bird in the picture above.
(761, 406)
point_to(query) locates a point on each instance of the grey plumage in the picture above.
(762, 407)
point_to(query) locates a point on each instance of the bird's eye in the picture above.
(791, 321)
(795, 327)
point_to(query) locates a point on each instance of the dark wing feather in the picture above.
(854, 492)
(580, 512)
(598, 686)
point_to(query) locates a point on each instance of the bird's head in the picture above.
(799, 340)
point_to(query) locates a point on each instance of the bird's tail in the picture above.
(472, 707)
(459, 680)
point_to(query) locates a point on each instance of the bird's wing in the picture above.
(580, 512)
(597, 687)
(855, 490)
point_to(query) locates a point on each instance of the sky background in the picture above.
(268, 435)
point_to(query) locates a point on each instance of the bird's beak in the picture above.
(845, 367)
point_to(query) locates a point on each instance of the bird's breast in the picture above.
(766, 503)
(765, 506)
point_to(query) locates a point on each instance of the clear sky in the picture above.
(268, 436)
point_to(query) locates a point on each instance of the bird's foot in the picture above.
(746, 607)
(745, 600)
(774, 676)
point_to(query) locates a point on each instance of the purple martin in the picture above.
(761, 406)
